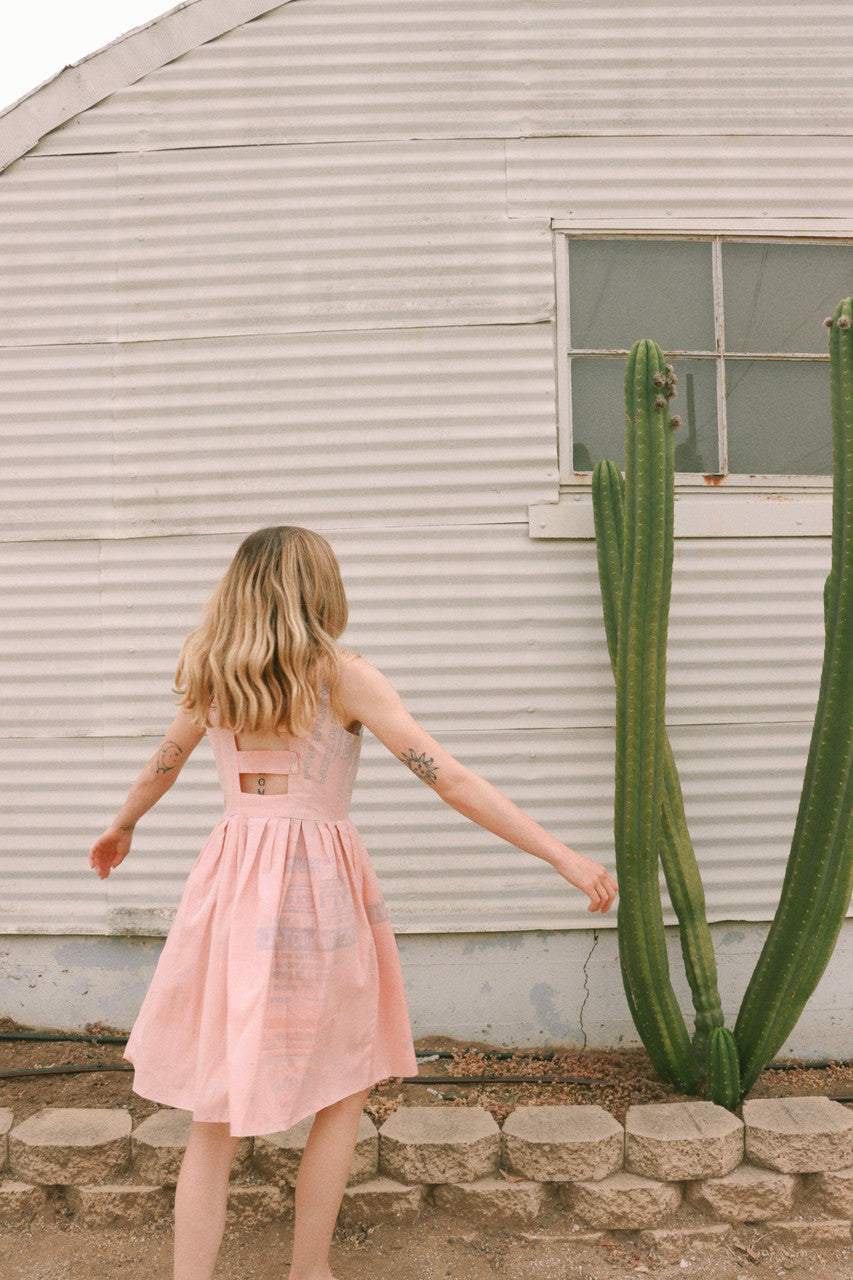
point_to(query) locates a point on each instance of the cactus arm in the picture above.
(640, 693)
(676, 849)
(819, 876)
(723, 1068)
(608, 509)
(687, 895)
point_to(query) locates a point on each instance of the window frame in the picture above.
(785, 485)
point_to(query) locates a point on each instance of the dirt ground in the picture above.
(438, 1247)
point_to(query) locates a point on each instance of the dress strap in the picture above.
(270, 761)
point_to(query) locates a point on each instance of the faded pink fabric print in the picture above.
(279, 988)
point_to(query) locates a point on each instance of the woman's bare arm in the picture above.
(154, 781)
(370, 698)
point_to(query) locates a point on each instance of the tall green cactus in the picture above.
(640, 693)
(819, 877)
(676, 849)
(635, 569)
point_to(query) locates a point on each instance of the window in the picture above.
(742, 320)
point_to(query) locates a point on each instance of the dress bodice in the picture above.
(320, 768)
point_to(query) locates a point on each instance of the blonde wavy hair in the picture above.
(267, 639)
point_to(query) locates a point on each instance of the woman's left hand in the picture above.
(109, 850)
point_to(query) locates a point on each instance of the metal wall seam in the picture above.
(205, 243)
(207, 435)
(330, 69)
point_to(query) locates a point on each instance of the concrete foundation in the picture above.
(545, 988)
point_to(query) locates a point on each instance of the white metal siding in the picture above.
(325, 70)
(496, 644)
(350, 326)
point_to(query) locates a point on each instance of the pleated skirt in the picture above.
(279, 988)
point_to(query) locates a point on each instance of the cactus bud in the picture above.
(675, 422)
(658, 379)
(828, 322)
(844, 322)
(670, 369)
(660, 402)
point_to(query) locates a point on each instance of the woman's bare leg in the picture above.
(200, 1200)
(320, 1185)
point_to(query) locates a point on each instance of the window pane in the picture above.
(598, 413)
(775, 297)
(622, 290)
(779, 417)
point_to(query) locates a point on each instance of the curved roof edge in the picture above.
(117, 65)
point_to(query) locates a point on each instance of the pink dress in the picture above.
(279, 988)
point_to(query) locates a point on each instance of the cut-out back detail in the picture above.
(266, 772)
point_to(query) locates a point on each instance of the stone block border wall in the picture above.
(787, 1164)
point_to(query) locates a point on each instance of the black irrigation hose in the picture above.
(544, 1055)
(55, 1036)
(405, 1079)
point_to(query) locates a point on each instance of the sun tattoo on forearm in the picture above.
(168, 757)
(423, 765)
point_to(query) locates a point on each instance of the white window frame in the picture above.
(727, 505)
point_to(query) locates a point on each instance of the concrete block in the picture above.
(60, 1146)
(801, 1234)
(439, 1144)
(159, 1142)
(257, 1204)
(492, 1202)
(798, 1135)
(20, 1203)
(562, 1144)
(682, 1140)
(747, 1194)
(833, 1191)
(676, 1241)
(621, 1201)
(277, 1155)
(122, 1204)
(6, 1121)
(381, 1200)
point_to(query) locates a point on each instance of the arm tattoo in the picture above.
(168, 757)
(423, 765)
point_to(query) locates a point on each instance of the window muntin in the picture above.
(742, 321)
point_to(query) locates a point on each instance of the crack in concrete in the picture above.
(586, 986)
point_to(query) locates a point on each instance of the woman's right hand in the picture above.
(590, 877)
(109, 850)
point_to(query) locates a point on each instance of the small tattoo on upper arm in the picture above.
(168, 757)
(423, 765)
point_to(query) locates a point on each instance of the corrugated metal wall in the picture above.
(305, 273)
